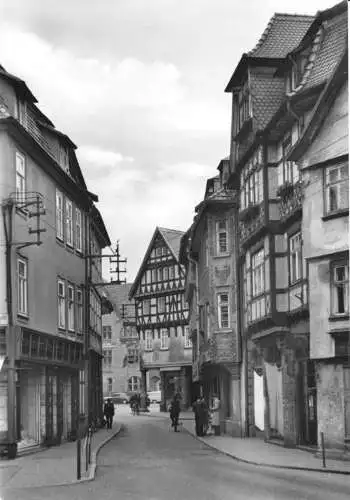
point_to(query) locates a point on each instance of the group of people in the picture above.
(205, 417)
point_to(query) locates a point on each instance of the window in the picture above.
(160, 274)
(78, 230)
(79, 323)
(166, 273)
(61, 304)
(69, 223)
(154, 384)
(171, 272)
(252, 192)
(161, 304)
(133, 384)
(107, 333)
(22, 285)
(207, 320)
(64, 158)
(258, 273)
(148, 340)
(81, 392)
(164, 338)
(340, 289)
(20, 177)
(188, 341)
(154, 275)
(244, 106)
(147, 306)
(288, 170)
(158, 251)
(59, 215)
(221, 237)
(109, 385)
(107, 358)
(70, 296)
(295, 258)
(223, 311)
(133, 356)
(337, 188)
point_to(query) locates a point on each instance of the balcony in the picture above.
(291, 199)
(251, 221)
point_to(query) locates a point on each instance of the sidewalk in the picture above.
(258, 452)
(54, 466)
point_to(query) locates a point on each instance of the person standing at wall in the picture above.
(215, 409)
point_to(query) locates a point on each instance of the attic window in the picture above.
(64, 158)
(244, 106)
(297, 70)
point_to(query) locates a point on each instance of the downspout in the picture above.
(87, 313)
(194, 262)
(11, 337)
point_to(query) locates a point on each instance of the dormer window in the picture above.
(252, 189)
(244, 106)
(64, 158)
(296, 73)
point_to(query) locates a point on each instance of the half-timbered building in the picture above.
(162, 318)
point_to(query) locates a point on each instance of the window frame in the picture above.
(59, 215)
(79, 311)
(61, 302)
(223, 304)
(164, 334)
(339, 184)
(82, 392)
(70, 308)
(148, 340)
(69, 223)
(257, 291)
(345, 284)
(78, 230)
(298, 259)
(21, 176)
(22, 286)
(219, 232)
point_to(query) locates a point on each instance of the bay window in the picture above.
(295, 258)
(258, 273)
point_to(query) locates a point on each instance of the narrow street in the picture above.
(148, 461)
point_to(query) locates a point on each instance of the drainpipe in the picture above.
(194, 262)
(7, 211)
(87, 315)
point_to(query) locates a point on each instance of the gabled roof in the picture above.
(282, 34)
(20, 85)
(172, 239)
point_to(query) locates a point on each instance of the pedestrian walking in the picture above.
(200, 409)
(108, 412)
(175, 411)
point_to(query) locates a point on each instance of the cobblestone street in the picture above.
(149, 461)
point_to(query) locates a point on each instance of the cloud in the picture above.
(96, 155)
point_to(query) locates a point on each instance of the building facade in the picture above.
(322, 155)
(121, 356)
(207, 252)
(162, 319)
(49, 312)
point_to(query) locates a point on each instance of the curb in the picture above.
(91, 473)
(271, 466)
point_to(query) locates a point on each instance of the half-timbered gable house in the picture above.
(162, 318)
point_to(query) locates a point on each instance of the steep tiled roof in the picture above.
(267, 95)
(327, 47)
(173, 239)
(282, 34)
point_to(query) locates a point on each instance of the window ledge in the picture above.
(187, 347)
(220, 255)
(164, 349)
(23, 316)
(336, 215)
(340, 317)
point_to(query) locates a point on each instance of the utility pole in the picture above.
(8, 206)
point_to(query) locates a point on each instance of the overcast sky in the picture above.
(138, 85)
